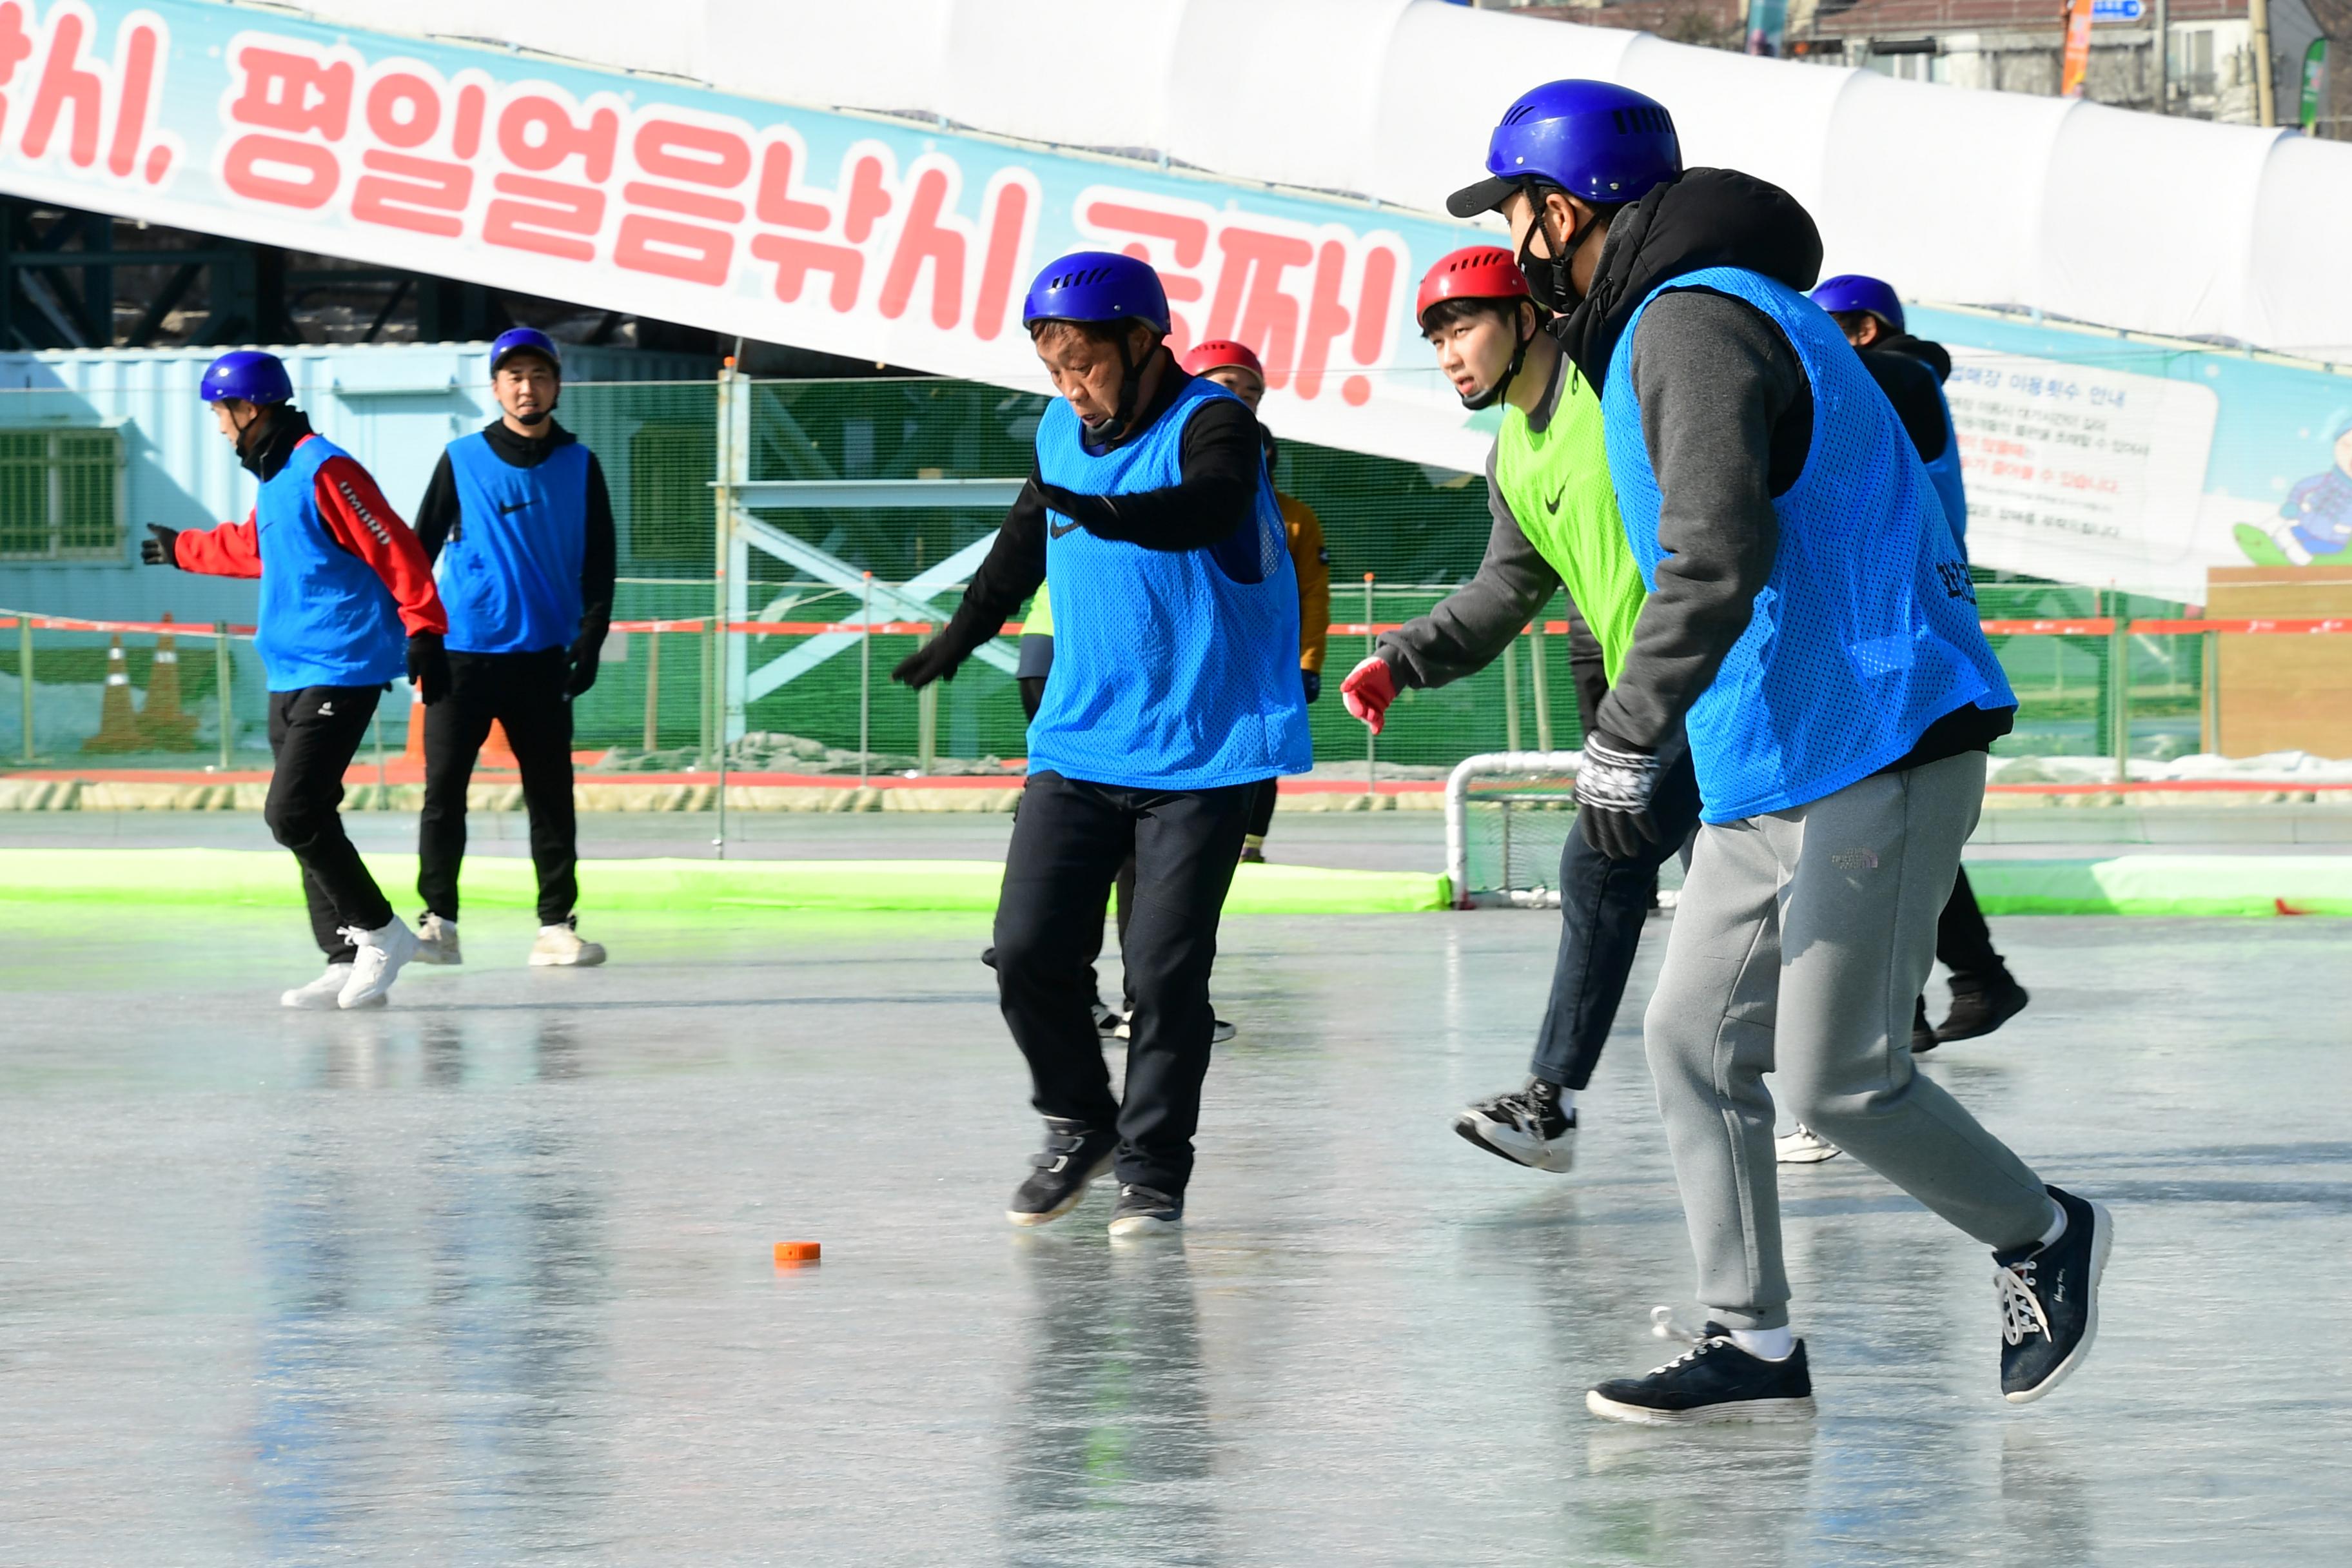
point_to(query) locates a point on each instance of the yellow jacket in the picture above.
(1312, 561)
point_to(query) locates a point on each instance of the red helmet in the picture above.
(1474, 272)
(1218, 354)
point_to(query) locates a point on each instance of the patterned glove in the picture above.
(1612, 795)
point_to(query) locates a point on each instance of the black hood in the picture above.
(1931, 354)
(1709, 217)
(264, 457)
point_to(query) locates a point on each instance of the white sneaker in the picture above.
(380, 955)
(1804, 1147)
(320, 994)
(437, 941)
(561, 945)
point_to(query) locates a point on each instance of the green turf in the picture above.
(2166, 885)
(268, 878)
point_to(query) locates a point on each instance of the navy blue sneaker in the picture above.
(1713, 1380)
(1074, 1156)
(2049, 1299)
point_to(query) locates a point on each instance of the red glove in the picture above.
(1368, 692)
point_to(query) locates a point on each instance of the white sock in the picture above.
(1766, 1344)
(2057, 1223)
(1565, 1097)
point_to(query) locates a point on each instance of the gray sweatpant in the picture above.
(1800, 942)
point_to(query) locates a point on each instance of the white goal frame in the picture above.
(1457, 824)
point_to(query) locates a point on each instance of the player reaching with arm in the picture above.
(1235, 367)
(1174, 694)
(1555, 524)
(1811, 627)
(347, 605)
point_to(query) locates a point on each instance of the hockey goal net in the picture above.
(1507, 816)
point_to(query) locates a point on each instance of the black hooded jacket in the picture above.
(1727, 415)
(1909, 370)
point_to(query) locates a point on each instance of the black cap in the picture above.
(1485, 196)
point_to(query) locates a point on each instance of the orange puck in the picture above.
(798, 1251)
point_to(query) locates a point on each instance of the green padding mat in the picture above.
(2166, 885)
(269, 878)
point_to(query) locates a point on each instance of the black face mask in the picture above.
(1115, 429)
(1547, 277)
(536, 418)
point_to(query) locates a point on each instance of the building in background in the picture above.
(2017, 45)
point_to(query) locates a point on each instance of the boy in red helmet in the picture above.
(1556, 526)
(1235, 367)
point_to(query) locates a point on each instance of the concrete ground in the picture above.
(486, 1276)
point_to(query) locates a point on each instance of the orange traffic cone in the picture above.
(496, 751)
(118, 723)
(162, 723)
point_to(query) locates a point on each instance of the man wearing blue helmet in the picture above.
(1175, 693)
(1811, 627)
(519, 527)
(347, 607)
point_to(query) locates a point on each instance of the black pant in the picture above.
(524, 692)
(1068, 843)
(1603, 904)
(314, 734)
(1963, 940)
(1260, 816)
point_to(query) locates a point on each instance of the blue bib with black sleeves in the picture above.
(509, 573)
(1172, 670)
(326, 619)
(1865, 633)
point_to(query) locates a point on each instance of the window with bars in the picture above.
(60, 495)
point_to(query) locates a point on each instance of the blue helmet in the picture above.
(1854, 292)
(1097, 285)
(1598, 142)
(525, 340)
(248, 376)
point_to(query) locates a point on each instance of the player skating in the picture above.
(1237, 368)
(520, 528)
(1555, 524)
(1911, 371)
(341, 576)
(1811, 625)
(1174, 694)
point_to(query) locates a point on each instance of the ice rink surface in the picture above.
(486, 1277)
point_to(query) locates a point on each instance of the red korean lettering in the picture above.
(694, 252)
(548, 216)
(466, 137)
(796, 258)
(1188, 238)
(868, 201)
(16, 48)
(777, 204)
(293, 94)
(281, 171)
(1008, 223)
(1326, 317)
(1250, 305)
(141, 51)
(1371, 321)
(66, 85)
(924, 241)
(424, 195)
(404, 110)
(537, 133)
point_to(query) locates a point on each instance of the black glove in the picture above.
(1313, 680)
(1088, 511)
(164, 550)
(1613, 797)
(428, 667)
(584, 654)
(937, 659)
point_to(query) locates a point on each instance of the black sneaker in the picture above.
(1922, 1037)
(2049, 1299)
(1109, 1024)
(1713, 1380)
(1525, 1127)
(1145, 1211)
(1981, 1005)
(1073, 1157)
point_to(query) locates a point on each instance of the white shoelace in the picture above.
(2019, 1294)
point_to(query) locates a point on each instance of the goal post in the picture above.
(1508, 817)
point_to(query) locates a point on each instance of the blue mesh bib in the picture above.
(326, 619)
(1867, 631)
(1170, 671)
(1944, 473)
